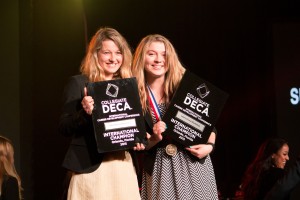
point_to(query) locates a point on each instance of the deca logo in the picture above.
(295, 96)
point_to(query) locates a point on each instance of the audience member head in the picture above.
(273, 153)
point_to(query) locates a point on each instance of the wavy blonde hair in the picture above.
(174, 68)
(90, 66)
(7, 166)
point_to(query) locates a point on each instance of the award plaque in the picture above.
(194, 110)
(117, 115)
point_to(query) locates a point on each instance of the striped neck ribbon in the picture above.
(153, 104)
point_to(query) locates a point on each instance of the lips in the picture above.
(157, 66)
(111, 65)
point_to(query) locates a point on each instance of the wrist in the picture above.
(212, 144)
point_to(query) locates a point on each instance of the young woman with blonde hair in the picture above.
(111, 175)
(10, 181)
(189, 173)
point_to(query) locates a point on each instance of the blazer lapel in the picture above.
(148, 119)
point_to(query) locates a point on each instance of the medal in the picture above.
(171, 149)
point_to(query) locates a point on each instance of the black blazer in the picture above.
(10, 188)
(283, 187)
(82, 155)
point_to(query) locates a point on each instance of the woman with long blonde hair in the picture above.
(10, 181)
(188, 173)
(109, 175)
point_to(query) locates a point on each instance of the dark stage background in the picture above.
(250, 49)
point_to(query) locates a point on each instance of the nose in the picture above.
(112, 57)
(159, 59)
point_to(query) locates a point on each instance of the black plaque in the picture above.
(194, 110)
(117, 115)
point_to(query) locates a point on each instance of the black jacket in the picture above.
(283, 187)
(10, 189)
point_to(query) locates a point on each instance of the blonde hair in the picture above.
(7, 166)
(90, 66)
(174, 68)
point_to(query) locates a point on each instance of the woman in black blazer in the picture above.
(97, 175)
(284, 187)
(10, 181)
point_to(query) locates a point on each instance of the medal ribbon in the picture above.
(154, 105)
(156, 111)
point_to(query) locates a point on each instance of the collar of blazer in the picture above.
(149, 121)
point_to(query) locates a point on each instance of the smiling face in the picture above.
(281, 156)
(110, 58)
(155, 59)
